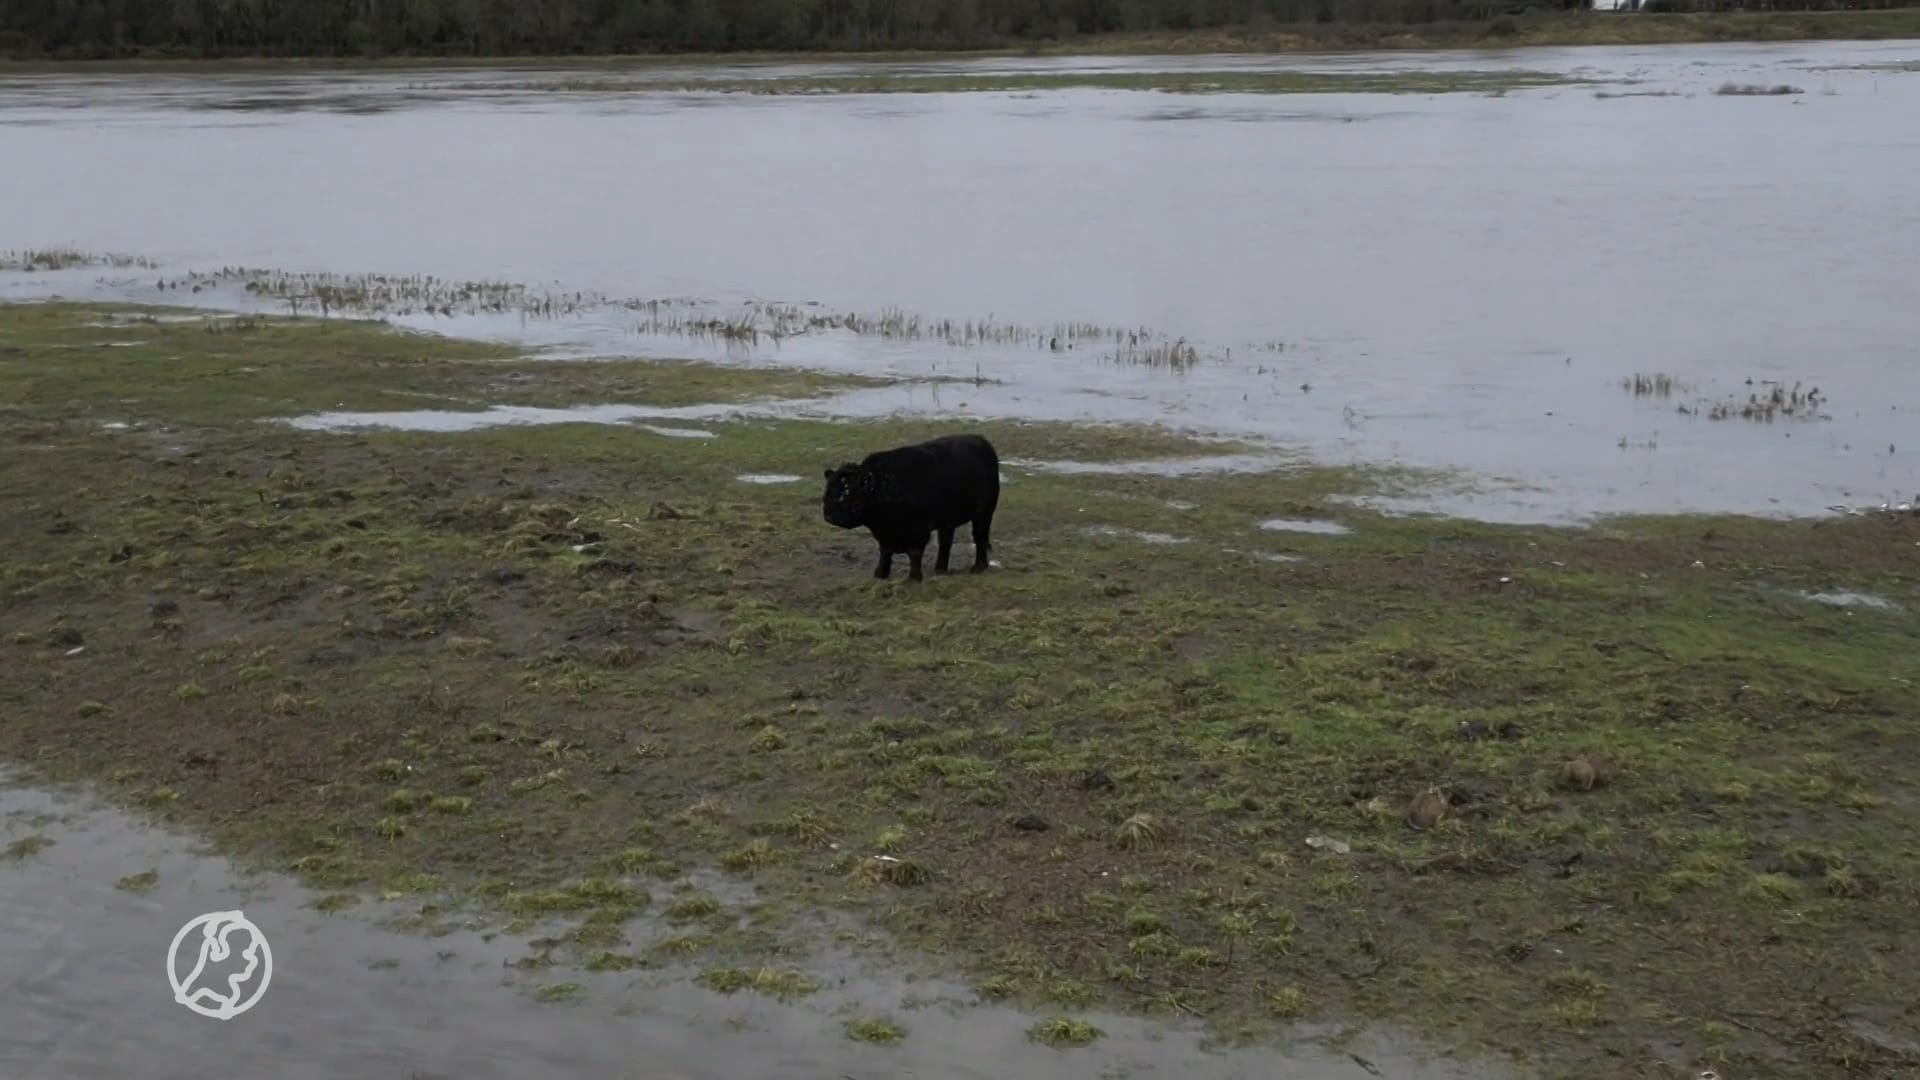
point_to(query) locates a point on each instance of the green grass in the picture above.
(1672, 793)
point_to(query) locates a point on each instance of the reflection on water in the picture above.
(83, 967)
(1459, 281)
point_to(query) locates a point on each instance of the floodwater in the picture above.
(85, 993)
(1457, 281)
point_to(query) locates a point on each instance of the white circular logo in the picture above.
(225, 993)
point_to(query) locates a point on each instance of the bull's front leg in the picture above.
(885, 569)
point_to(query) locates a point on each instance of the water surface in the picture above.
(1447, 280)
(83, 981)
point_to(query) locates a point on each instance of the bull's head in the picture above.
(849, 496)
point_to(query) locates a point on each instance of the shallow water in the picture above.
(83, 978)
(1330, 528)
(1847, 598)
(1155, 538)
(1454, 280)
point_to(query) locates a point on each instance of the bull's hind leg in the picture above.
(946, 550)
(982, 527)
(885, 569)
(915, 546)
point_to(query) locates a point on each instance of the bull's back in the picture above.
(957, 475)
(968, 451)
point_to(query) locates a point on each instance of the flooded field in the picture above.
(586, 746)
(1472, 268)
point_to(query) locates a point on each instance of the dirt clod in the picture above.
(1428, 808)
(1586, 772)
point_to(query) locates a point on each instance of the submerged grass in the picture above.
(750, 324)
(30, 261)
(1767, 401)
(1756, 90)
(1554, 793)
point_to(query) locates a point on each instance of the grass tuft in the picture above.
(875, 1029)
(1064, 1031)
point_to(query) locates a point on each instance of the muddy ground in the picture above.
(1623, 801)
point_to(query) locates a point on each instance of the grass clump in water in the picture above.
(31, 261)
(1064, 1031)
(879, 1030)
(557, 992)
(140, 883)
(25, 848)
(782, 983)
(1658, 384)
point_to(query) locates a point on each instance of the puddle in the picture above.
(1274, 556)
(678, 433)
(1842, 598)
(348, 996)
(1182, 466)
(1330, 528)
(449, 421)
(768, 478)
(1136, 534)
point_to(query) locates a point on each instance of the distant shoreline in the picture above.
(1506, 32)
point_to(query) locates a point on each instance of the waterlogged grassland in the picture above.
(1597, 799)
(129, 363)
(1171, 82)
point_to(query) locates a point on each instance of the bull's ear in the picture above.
(829, 472)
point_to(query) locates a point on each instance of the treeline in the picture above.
(324, 28)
